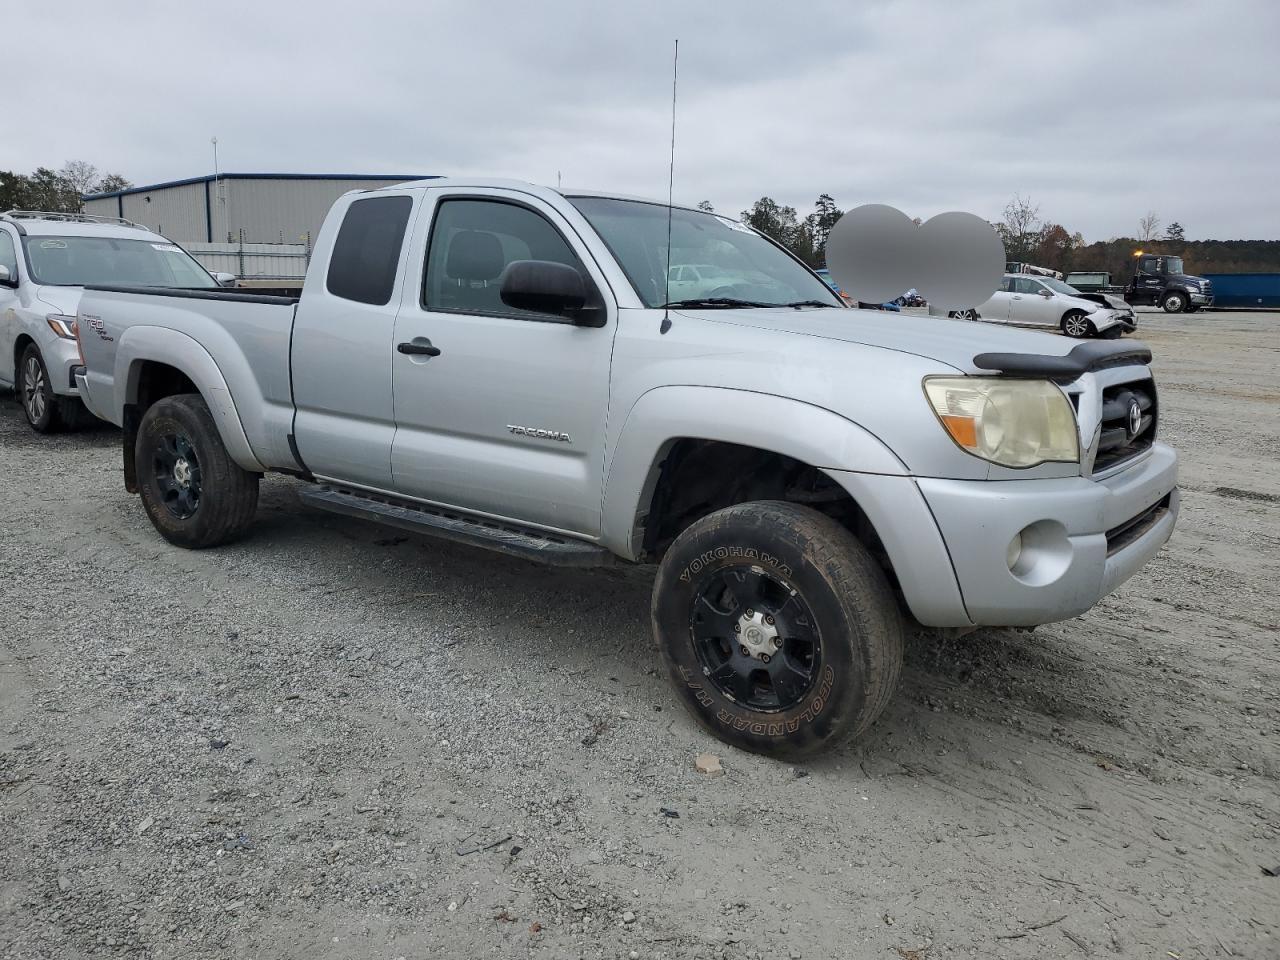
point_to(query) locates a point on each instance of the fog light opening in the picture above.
(1014, 551)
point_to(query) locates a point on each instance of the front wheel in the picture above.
(777, 627)
(46, 411)
(1076, 324)
(1174, 302)
(195, 495)
(964, 315)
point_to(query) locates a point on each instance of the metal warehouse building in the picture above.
(267, 207)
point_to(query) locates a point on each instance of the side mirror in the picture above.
(544, 286)
(1046, 293)
(7, 279)
(225, 279)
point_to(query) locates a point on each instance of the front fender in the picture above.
(139, 344)
(811, 434)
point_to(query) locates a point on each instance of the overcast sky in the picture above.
(1097, 111)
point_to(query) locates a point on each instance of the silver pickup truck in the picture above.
(503, 364)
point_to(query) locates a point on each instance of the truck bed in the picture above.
(244, 338)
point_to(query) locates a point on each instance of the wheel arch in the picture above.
(20, 344)
(155, 362)
(669, 466)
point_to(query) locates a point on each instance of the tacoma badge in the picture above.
(539, 433)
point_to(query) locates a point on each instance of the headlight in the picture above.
(62, 325)
(1015, 423)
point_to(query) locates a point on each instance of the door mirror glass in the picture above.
(543, 286)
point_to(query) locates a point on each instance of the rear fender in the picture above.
(139, 344)
(810, 434)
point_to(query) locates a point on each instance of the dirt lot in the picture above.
(335, 740)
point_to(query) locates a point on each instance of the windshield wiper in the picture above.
(718, 302)
(807, 303)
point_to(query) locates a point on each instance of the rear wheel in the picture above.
(1076, 324)
(1174, 302)
(778, 629)
(192, 490)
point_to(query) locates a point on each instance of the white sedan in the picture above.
(1033, 301)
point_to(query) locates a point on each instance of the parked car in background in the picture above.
(46, 259)
(498, 363)
(1161, 281)
(1038, 301)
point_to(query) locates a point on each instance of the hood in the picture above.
(1104, 300)
(953, 342)
(64, 300)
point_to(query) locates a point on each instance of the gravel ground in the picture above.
(336, 740)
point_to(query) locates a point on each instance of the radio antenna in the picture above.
(671, 178)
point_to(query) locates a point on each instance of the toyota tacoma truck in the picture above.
(501, 364)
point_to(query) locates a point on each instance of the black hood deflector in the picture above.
(1087, 357)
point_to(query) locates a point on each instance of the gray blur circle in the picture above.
(960, 261)
(872, 253)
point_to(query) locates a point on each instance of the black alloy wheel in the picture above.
(177, 474)
(755, 637)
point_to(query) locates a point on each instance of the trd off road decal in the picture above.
(724, 553)
(767, 728)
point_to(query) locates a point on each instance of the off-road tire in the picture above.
(1173, 302)
(1071, 325)
(228, 494)
(856, 616)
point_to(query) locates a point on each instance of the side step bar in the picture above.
(517, 541)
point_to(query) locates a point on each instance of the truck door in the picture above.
(506, 415)
(1148, 280)
(341, 351)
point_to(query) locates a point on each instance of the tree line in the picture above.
(1029, 238)
(56, 190)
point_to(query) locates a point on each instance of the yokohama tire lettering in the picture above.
(697, 564)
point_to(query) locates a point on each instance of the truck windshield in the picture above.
(81, 261)
(713, 258)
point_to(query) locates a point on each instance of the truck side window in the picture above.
(472, 241)
(8, 254)
(367, 251)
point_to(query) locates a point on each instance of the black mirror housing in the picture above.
(544, 286)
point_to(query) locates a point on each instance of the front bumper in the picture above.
(62, 360)
(1202, 299)
(1079, 539)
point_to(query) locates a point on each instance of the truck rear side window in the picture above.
(367, 251)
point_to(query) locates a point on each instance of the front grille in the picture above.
(1119, 441)
(1206, 288)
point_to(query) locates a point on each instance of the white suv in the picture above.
(46, 260)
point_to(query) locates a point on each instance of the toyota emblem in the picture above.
(1135, 418)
